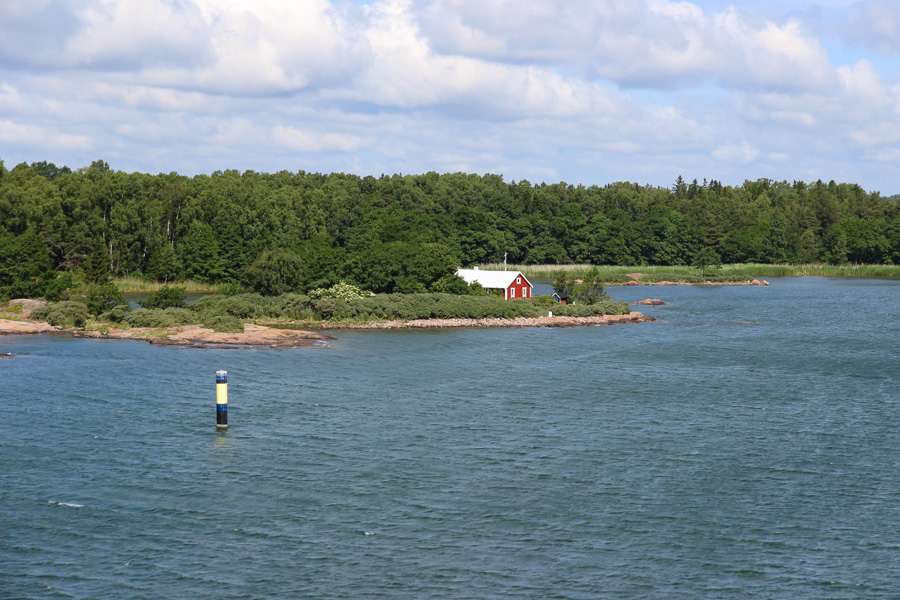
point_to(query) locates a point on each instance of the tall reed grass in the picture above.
(129, 285)
(815, 269)
(613, 273)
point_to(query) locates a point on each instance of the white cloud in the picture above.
(406, 72)
(248, 47)
(866, 91)
(133, 33)
(742, 153)
(34, 136)
(647, 43)
(10, 98)
(585, 90)
(308, 141)
(874, 24)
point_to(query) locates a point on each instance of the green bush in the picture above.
(100, 298)
(57, 288)
(231, 288)
(340, 291)
(149, 317)
(166, 297)
(118, 314)
(275, 272)
(242, 306)
(387, 306)
(182, 316)
(156, 317)
(294, 306)
(224, 324)
(591, 310)
(333, 308)
(63, 314)
(432, 306)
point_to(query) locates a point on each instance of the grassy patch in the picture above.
(128, 285)
(816, 269)
(15, 309)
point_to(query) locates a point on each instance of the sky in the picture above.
(581, 91)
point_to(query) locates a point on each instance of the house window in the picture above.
(512, 292)
(524, 292)
(518, 281)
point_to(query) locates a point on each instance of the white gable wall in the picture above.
(492, 280)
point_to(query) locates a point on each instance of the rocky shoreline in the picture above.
(632, 317)
(196, 336)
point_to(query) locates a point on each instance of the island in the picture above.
(279, 334)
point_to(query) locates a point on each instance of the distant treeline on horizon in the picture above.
(170, 227)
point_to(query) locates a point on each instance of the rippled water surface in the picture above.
(745, 445)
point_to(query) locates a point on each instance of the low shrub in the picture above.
(15, 309)
(166, 297)
(224, 324)
(119, 314)
(101, 298)
(294, 306)
(156, 317)
(242, 306)
(231, 289)
(58, 288)
(67, 313)
(333, 308)
(432, 306)
(591, 310)
(340, 291)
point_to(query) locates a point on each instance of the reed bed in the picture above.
(131, 285)
(616, 273)
(815, 269)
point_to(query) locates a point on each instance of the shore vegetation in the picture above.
(228, 313)
(89, 234)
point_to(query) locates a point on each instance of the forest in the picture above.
(405, 233)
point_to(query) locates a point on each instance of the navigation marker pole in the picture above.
(221, 399)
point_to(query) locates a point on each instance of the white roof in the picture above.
(491, 279)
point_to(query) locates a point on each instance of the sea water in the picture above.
(744, 445)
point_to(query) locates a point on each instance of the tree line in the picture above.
(405, 233)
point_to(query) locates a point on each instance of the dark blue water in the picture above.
(746, 445)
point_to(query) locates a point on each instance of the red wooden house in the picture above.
(513, 283)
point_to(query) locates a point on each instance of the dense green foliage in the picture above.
(226, 313)
(167, 297)
(408, 233)
(276, 272)
(63, 314)
(586, 291)
(707, 258)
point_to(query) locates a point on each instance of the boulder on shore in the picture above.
(15, 327)
(650, 302)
